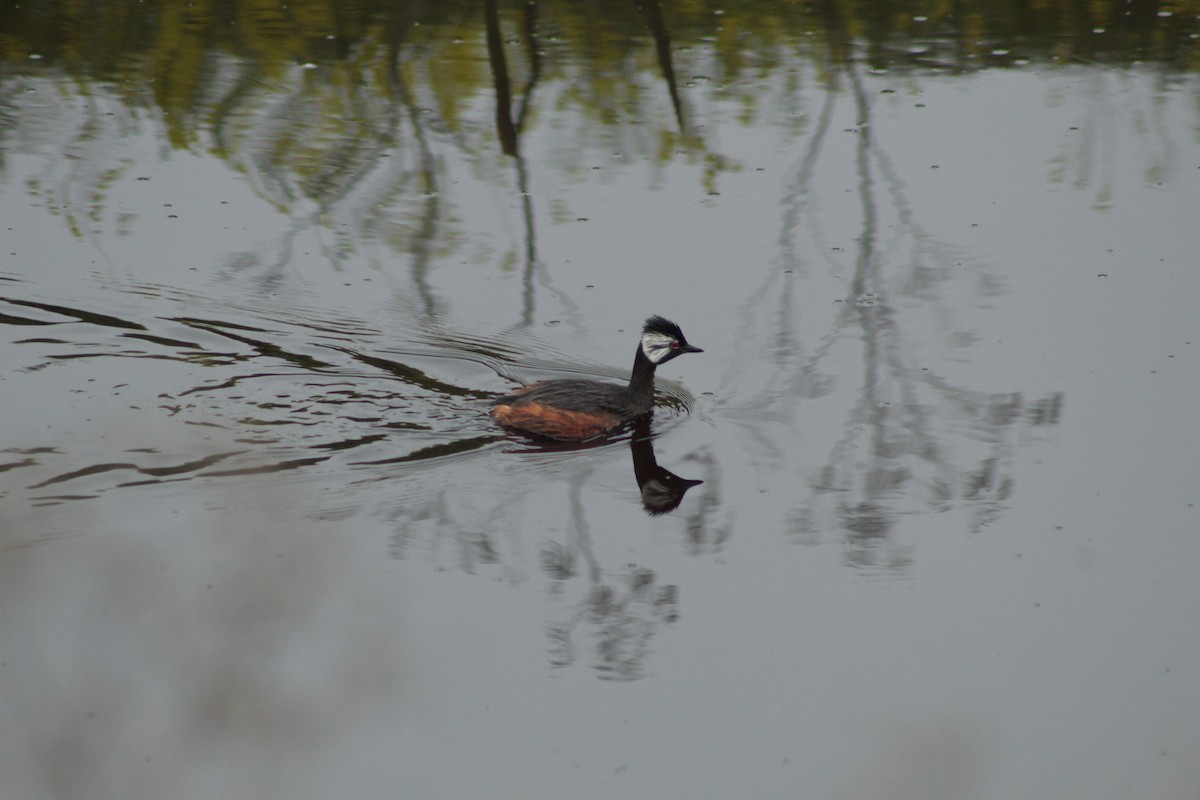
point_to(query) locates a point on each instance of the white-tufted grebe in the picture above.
(574, 410)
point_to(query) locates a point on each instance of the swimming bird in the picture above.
(579, 409)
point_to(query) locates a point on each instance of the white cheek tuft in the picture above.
(656, 346)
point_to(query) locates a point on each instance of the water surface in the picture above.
(262, 273)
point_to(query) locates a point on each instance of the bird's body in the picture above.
(578, 409)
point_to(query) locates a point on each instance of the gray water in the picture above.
(259, 537)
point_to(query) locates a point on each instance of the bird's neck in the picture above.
(641, 384)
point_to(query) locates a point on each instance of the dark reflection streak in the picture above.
(505, 127)
(426, 234)
(411, 375)
(530, 244)
(508, 129)
(7, 319)
(82, 316)
(652, 14)
(228, 384)
(263, 348)
(435, 451)
(535, 71)
(156, 472)
(535, 63)
(55, 499)
(206, 324)
(489, 353)
(350, 444)
(866, 521)
(162, 340)
(151, 356)
(282, 466)
(149, 482)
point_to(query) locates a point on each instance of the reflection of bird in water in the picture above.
(662, 490)
(576, 409)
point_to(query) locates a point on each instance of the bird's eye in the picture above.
(674, 345)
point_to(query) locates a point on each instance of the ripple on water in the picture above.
(161, 398)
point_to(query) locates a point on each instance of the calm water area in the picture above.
(920, 523)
